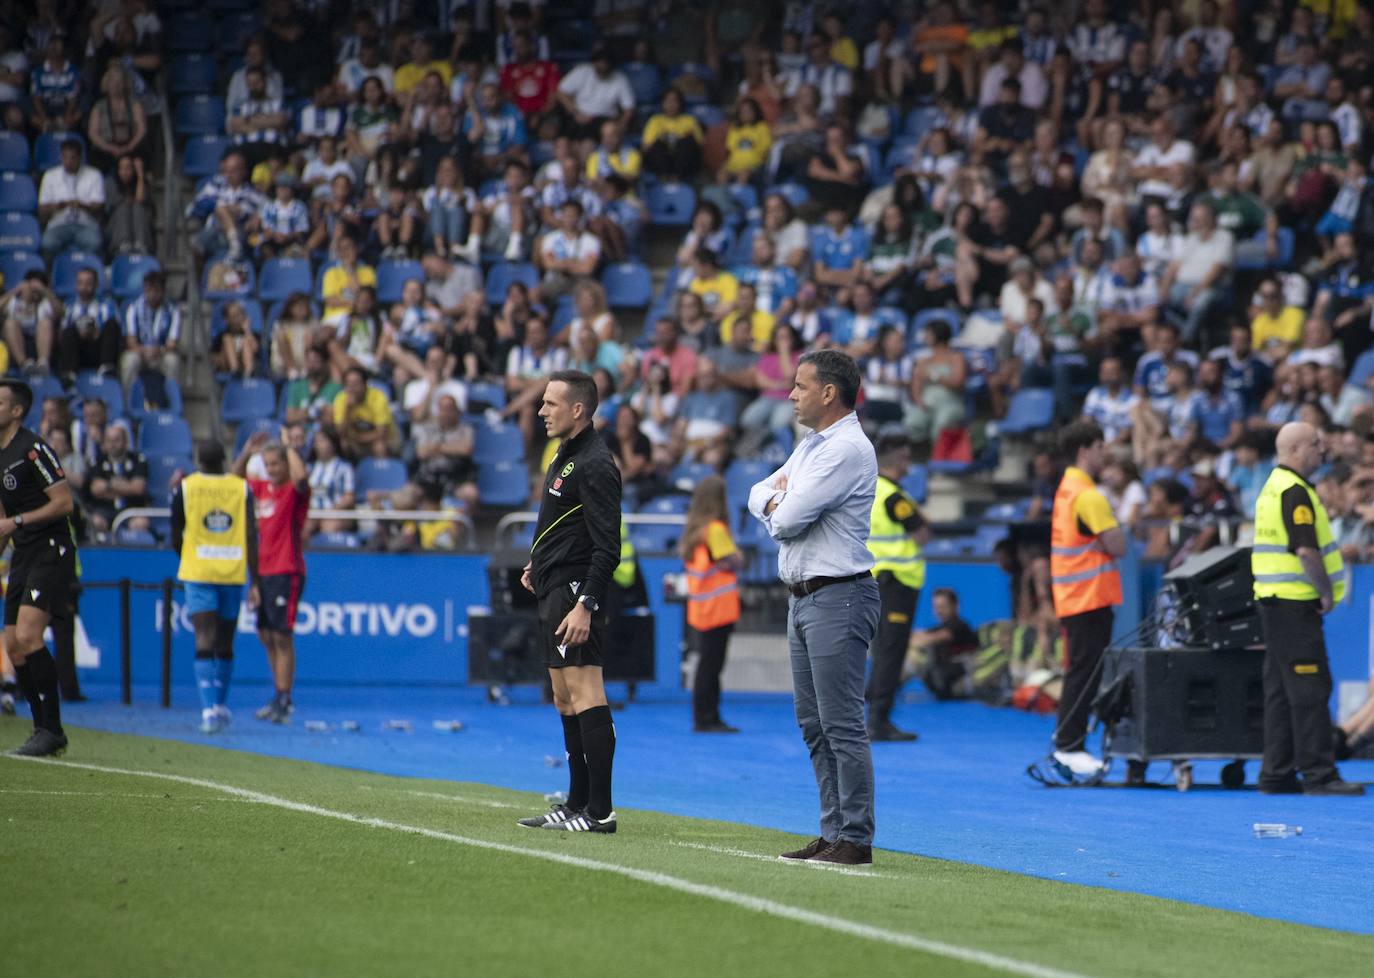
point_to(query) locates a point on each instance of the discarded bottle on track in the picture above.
(1276, 830)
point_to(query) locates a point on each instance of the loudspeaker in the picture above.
(1215, 592)
(505, 649)
(1186, 703)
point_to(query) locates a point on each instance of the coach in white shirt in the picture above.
(818, 507)
(71, 201)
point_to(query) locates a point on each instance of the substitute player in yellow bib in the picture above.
(897, 530)
(215, 533)
(1299, 577)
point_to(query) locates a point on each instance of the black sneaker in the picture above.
(888, 732)
(41, 743)
(1334, 787)
(582, 822)
(714, 727)
(843, 853)
(558, 813)
(813, 848)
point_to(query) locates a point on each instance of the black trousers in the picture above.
(678, 159)
(1086, 636)
(711, 645)
(76, 352)
(898, 603)
(1297, 694)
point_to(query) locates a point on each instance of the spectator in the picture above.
(1024, 285)
(1164, 167)
(235, 349)
(735, 363)
(833, 82)
(566, 255)
(88, 431)
(55, 87)
(366, 63)
(887, 377)
(421, 64)
(90, 335)
(258, 121)
(29, 312)
(673, 139)
(774, 284)
(117, 125)
(838, 249)
(1218, 412)
(667, 351)
(1122, 486)
(152, 332)
(331, 484)
(372, 122)
(496, 131)
(943, 656)
(1004, 126)
(892, 258)
(937, 387)
(837, 175)
(285, 221)
(310, 398)
(1341, 401)
(345, 280)
(748, 143)
(129, 220)
(706, 419)
(254, 58)
(1012, 63)
(362, 418)
(293, 332)
(1129, 305)
(443, 451)
(529, 78)
(118, 481)
(592, 313)
(1244, 373)
(590, 353)
(719, 290)
(707, 231)
(633, 452)
(1193, 284)
(592, 93)
(421, 394)
(657, 404)
(71, 202)
(1277, 328)
(229, 205)
(500, 224)
(449, 206)
(774, 376)
(611, 157)
(528, 367)
(760, 324)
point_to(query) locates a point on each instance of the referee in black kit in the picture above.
(38, 505)
(575, 551)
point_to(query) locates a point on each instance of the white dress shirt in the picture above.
(821, 521)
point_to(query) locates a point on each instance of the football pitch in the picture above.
(135, 856)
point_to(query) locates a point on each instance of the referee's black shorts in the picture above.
(553, 608)
(42, 576)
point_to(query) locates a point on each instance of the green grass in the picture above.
(134, 876)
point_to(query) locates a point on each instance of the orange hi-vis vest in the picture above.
(1083, 576)
(712, 592)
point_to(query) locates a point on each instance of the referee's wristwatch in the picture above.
(590, 603)
(18, 519)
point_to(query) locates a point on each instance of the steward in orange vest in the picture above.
(712, 597)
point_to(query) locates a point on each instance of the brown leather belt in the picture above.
(813, 584)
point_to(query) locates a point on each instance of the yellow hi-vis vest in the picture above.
(624, 574)
(214, 543)
(892, 547)
(1277, 572)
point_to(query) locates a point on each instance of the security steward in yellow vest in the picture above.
(1085, 542)
(896, 532)
(1299, 576)
(214, 530)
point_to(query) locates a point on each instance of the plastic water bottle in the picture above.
(1276, 830)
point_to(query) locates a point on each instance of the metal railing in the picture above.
(126, 588)
(353, 515)
(504, 524)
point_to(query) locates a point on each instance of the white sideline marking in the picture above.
(745, 854)
(721, 895)
(110, 794)
(484, 802)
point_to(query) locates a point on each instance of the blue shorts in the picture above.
(1331, 225)
(222, 599)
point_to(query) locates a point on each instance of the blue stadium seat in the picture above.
(655, 539)
(19, 231)
(336, 540)
(674, 504)
(1030, 409)
(282, 278)
(245, 287)
(66, 265)
(564, 312)
(193, 74)
(921, 120)
(645, 82)
(244, 399)
(18, 192)
(14, 152)
(129, 537)
(503, 273)
(740, 478)
(387, 474)
(492, 443)
(488, 392)
(392, 277)
(1362, 369)
(105, 387)
(202, 155)
(944, 547)
(628, 285)
(250, 428)
(190, 32)
(198, 115)
(504, 484)
(14, 265)
(47, 149)
(688, 475)
(164, 433)
(1007, 512)
(235, 29)
(794, 193)
(890, 316)
(135, 402)
(708, 115)
(126, 274)
(161, 467)
(45, 386)
(915, 483)
(671, 204)
(251, 307)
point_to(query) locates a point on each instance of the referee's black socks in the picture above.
(42, 670)
(24, 675)
(577, 763)
(598, 744)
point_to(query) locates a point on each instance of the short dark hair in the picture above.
(948, 593)
(838, 368)
(20, 391)
(210, 456)
(155, 277)
(1078, 435)
(73, 143)
(355, 369)
(890, 444)
(581, 388)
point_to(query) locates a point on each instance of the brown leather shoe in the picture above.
(815, 848)
(845, 853)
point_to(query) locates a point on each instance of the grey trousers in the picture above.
(828, 634)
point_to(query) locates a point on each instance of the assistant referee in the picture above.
(575, 552)
(1299, 576)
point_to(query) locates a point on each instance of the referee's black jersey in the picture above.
(28, 468)
(577, 537)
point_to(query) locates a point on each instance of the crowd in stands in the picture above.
(405, 216)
